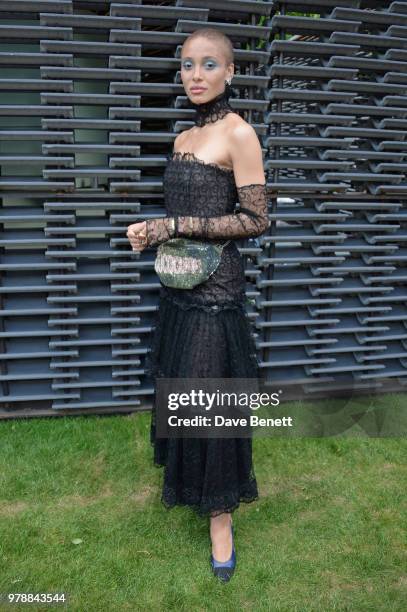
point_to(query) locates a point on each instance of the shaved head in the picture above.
(217, 37)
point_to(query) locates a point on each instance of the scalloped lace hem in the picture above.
(212, 506)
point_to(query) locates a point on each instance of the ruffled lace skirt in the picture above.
(211, 475)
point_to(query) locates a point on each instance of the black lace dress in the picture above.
(205, 331)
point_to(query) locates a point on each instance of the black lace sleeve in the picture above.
(251, 220)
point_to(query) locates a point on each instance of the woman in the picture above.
(205, 331)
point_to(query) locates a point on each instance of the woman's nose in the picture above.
(197, 74)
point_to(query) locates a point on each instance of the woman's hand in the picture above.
(137, 235)
(151, 233)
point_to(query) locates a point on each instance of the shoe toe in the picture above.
(223, 573)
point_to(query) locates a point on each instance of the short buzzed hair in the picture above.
(217, 36)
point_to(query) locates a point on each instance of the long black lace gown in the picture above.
(205, 331)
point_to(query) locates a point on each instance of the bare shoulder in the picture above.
(180, 139)
(245, 152)
(234, 120)
(239, 129)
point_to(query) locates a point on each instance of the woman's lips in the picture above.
(198, 90)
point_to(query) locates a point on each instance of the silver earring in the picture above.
(228, 81)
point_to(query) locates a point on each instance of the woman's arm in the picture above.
(252, 218)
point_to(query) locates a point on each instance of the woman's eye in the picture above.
(210, 65)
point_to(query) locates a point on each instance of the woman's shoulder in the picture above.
(234, 118)
(235, 122)
(179, 139)
(240, 133)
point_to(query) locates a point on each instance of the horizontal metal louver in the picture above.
(91, 101)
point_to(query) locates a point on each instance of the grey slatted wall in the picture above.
(91, 102)
(334, 290)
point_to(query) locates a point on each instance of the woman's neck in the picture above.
(212, 110)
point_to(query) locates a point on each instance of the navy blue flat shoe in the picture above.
(224, 570)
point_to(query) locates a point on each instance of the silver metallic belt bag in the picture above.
(183, 263)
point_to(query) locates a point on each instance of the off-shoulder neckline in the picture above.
(190, 157)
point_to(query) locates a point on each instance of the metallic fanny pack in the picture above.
(182, 263)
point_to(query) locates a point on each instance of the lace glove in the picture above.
(251, 220)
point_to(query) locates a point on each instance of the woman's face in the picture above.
(203, 66)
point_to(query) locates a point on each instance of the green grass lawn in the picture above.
(80, 513)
